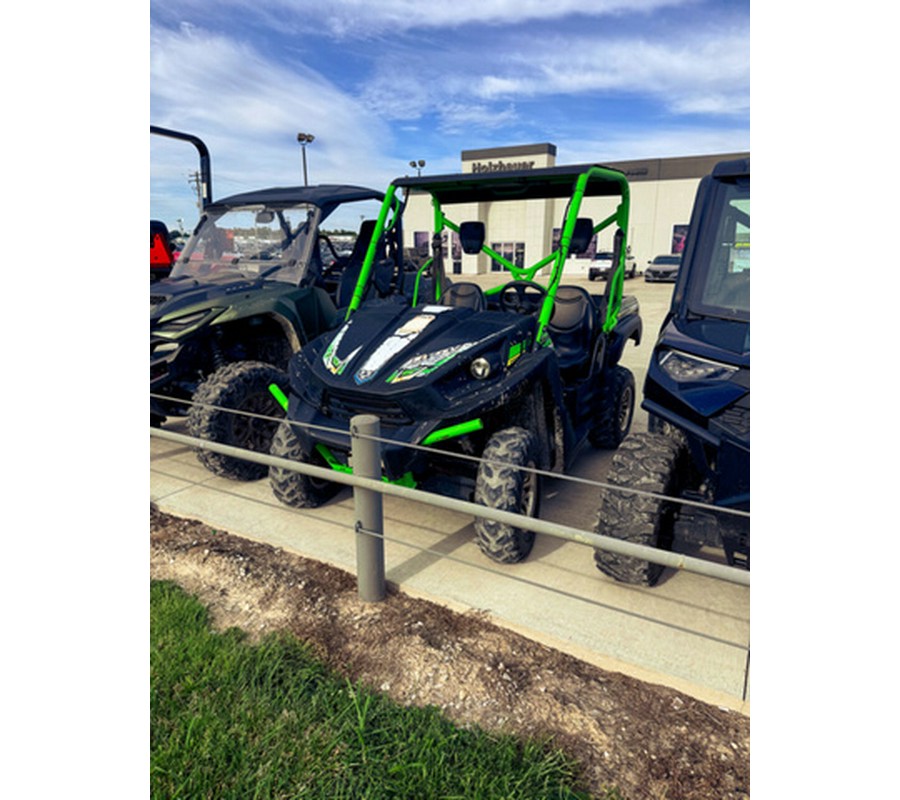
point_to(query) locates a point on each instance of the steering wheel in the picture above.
(522, 297)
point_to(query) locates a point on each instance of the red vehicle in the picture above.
(162, 257)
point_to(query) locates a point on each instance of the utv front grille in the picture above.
(734, 421)
(344, 406)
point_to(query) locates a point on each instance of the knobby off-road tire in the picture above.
(616, 409)
(650, 462)
(508, 487)
(294, 488)
(242, 386)
(658, 425)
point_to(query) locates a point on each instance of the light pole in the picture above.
(304, 139)
(417, 166)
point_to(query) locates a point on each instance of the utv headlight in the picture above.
(163, 348)
(179, 324)
(480, 368)
(684, 368)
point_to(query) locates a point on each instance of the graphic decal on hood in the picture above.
(330, 359)
(397, 341)
(425, 364)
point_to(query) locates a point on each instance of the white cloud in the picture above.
(626, 143)
(357, 17)
(366, 18)
(248, 109)
(690, 69)
(459, 117)
(229, 93)
(709, 74)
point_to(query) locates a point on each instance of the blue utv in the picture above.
(697, 393)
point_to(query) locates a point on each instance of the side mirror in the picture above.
(581, 235)
(471, 237)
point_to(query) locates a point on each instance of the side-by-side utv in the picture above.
(519, 374)
(249, 289)
(697, 394)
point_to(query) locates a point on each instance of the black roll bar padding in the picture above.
(618, 238)
(437, 266)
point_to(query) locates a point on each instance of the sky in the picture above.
(382, 83)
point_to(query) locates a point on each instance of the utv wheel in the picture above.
(658, 425)
(649, 462)
(239, 387)
(616, 409)
(508, 487)
(294, 488)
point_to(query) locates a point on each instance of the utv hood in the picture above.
(171, 296)
(388, 348)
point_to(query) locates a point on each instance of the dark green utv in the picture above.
(251, 287)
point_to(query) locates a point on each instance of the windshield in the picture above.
(724, 289)
(251, 241)
(676, 260)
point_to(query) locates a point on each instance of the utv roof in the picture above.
(515, 184)
(731, 169)
(326, 196)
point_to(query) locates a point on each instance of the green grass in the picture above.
(235, 720)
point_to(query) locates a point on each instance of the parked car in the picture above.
(602, 263)
(663, 268)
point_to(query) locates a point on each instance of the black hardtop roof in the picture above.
(732, 169)
(324, 195)
(526, 184)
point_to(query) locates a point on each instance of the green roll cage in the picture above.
(391, 210)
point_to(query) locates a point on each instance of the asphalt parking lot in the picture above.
(689, 632)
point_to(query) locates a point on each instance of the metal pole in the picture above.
(366, 453)
(304, 139)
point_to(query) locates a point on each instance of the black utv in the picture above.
(519, 374)
(250, 288)
(697, 395)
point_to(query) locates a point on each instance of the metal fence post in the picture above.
(366, 453)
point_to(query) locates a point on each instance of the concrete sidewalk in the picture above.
(689, 632)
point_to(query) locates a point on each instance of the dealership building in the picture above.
(662, 195)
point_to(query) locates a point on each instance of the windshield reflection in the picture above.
(250, 242)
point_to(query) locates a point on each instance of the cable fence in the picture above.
(371, 435)
(369, 488)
